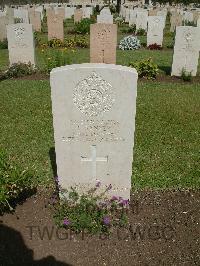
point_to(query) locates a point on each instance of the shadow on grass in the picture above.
(52, 156)
(166, 69)
(15, 252)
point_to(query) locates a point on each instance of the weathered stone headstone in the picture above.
(175, 20)
(21, 14)
(186, 50)
(35, 20)
(89, 104)
(87, 12)
(55, 26)
(153, 12)
(141, 20)
(105, 18)
(60, 12)
(198, 23)
(40, 9)
(3, 23)
(155, 30)
(69, 12)
(21, 43)
(188, 16)
(105, 11)
(103, 43)
(78, 15)
(127, 15)
(10, 15)
(132, 18)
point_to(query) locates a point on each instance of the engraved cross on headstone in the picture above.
(94, 159)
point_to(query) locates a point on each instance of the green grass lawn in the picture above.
(166, 152)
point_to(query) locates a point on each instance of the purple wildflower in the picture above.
(106, 220)
(114, 198)
(125, 202)
(66, 221)
(98, 184)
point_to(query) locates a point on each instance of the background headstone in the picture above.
(21, 43)
(103, 43)
(141, 20)
(186, 50)
(55, 26)
(35, 20)
(78, 15)
(155, 30)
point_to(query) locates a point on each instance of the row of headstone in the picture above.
(103, 40)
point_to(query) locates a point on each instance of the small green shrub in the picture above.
(81, 42)
(119, 21)
(15, 182)
(91, 212)
(37, 39)
(4, 44)
(186, 76)
(141, 32)
(18, 20)
(18, 70)
(189, 23)
(83, 27)
(55, 58)
(146, 68)
(130, 29)
(129, 43)
(55, 43)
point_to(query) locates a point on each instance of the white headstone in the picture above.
(21, 14)
(155, 30)
(186, 50)
(106, 19)
(132, 19)
(141, 20)
(21, 43)
(93, 141)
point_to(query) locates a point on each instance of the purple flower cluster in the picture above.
(106, 220)
(66, 222)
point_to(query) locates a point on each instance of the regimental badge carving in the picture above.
(93, 95)
(19, 34)
(188, 38)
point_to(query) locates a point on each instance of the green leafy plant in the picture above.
(14, 182)
(18, 20)
(91, 212)
(141, 32)
(18, 70)
(146, 68)
(37, 39)
(55, 43)
(119, 21)
(83, 27)
(130, 29)
(189, 23)
(4, 44)
(55, 58)
(185, 75)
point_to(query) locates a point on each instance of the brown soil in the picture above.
(164, 230)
